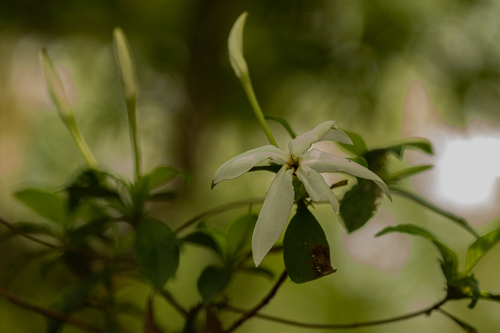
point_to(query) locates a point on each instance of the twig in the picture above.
(249, 314)
(26, 235)
(426, 311)
(172, 301)
(46, 312)
(217, 210)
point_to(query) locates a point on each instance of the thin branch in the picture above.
(26, 235)
(252, 312)
(46, 312)
(426, 311)
(172, 301)
(217, 210)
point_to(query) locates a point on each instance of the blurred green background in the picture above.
(310, 61)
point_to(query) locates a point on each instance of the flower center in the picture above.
(293, 163)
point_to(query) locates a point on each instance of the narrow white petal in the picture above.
(240, 164)
(273, 215)
(316, 186)
(235, 46)
(327, 131)
(324, 162)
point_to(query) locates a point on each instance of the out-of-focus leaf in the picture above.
(259, 271)
(235, 46)
(272, 168)
(305, 249)
(450, 260)
(205, 239)
(156, 251)
(44, 203)
(464, 287)
(479, 248)
(73, 299)
(360, 160)
(415, 144)
(163, 196)
(420, 200)
(149, 322)
(77, 235)
(285, 125)
(239, 235)
(358, 147)
(159, 176)
(407, 172)
(36, 228)
(358, 205)
(126, 64)
(90, 183)
(466, 327)
(212, 283)
(56, 88)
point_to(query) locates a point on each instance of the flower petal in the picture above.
(240, 164)
(316, 186)
(327, 131)
(273, 215)
(324, 162)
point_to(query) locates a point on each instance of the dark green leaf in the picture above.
(360, 160)
(479, 248)
(415, 144)
(36, 228)
(73, 299)
(358, 147)
(407, 172)
(285, 125)
(212, 282)
(305, 249)
(259, 271)
(205, 239)
(272, 168)
(450, 260)
(90, 183)
(77, 235)
(44, 203)
(420, 200)
(464, 287)
(359, 205)
(159, 176)
(156, 251)
(466, 327)
(163, 196)
(239, 235)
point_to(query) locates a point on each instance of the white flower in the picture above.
(303, 162)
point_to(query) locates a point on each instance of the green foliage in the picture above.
(479, 248)
(358, 146)
(359, 205)
(414, 144)
(305, 249)
(44, 203)
(466, 327)
(212, 282)
(285, 125)
(156, 251)
(407, 172)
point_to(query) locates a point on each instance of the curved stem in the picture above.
(249, 314)
(247, 85)
(46, 312)
(426, 311)
(134, 135)
(217, 210)
(80, 142)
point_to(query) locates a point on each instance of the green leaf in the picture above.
(415, 144)
(407, 172)
(239, 235)
(285, 125)
(466, 327)
(163, 196)
(205, 239)
(56, 88)
(358, 147)
(464, 287)
(89, 183)
(212, 283)
(126, 65)
(156, 251)
(259, 271)
(360, 160)
(479, 248)
(73, 300)
(272, 168)
(358, 205)
(44, 203)
(160, 176)
(305, 249)
(420, 200)
(450, 261)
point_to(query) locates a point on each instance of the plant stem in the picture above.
(80, 141)
(247, 85)
(217, 210)
(172, 301)
(134, 135)
(46, 312)
(426, 311)
(249, 314)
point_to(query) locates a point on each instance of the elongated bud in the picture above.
(56, 89)
(126, 65)
(235, 45)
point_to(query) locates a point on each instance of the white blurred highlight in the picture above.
(467, 160)
(386, 253)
